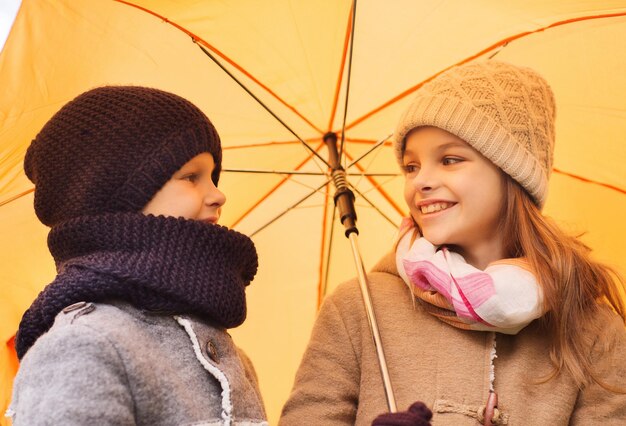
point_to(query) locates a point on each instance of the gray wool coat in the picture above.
(112, 364)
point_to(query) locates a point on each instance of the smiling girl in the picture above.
(132, 331)
(506, 319)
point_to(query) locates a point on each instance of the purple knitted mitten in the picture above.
(418, 414)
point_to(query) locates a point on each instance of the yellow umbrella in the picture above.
(295, 57)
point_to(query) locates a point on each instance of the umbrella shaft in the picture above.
(344, 200)
(371, 319)
(344, 197)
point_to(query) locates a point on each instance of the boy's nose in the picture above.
(216, 197)
(213, 196)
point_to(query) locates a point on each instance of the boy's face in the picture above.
(190, 193)
(454, 193)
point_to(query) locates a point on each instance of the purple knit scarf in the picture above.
(155, 263)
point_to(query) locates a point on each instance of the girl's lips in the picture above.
(426, 218)
(429, 216)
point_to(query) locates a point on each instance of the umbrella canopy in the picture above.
(302, 60)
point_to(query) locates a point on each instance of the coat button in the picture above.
(74, 307)
(211, 350)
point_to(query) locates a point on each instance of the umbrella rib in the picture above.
(320, 280)
(260, 144)
(349, 72)
(260, 102)
(377, 186)
(305, 184)
(275, 172)
(498, 50)
(378, 144)
(366, 167)
(500, 44)
(373, 206)
(374, 174)
(344, 53)
(16, 197)
(195, 38)
(586, 180)
(363, 141)
(321, 167)
(270, 192)
(324, 286)
(295, 172)
(293, 206)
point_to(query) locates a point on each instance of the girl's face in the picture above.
(454, 194)
(190, 193)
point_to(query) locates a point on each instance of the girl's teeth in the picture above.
(435, 207)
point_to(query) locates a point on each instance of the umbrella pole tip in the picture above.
(330, 136)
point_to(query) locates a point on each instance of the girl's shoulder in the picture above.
(609, 333)
(392, 299)
(383, 280)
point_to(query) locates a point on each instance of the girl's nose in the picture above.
(425, 180)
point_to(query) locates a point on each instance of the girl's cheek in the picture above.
(409, 193)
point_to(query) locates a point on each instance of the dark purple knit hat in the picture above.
(112, 148)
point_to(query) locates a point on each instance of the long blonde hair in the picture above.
(575, 286)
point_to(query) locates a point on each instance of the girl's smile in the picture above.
(430, 207)
(454, 194)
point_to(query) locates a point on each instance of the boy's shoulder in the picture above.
(87, 324)
(109, 317)
(79, 340)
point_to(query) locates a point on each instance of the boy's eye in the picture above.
(191, 177)
(450, 160)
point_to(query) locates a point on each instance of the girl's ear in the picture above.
(407, 225)
(417, 234)
(411, 223)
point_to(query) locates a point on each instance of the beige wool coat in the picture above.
(338, 382)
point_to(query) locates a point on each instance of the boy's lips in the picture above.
(212, 219)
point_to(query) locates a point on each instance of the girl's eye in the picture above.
(410, 168)
(450, 160)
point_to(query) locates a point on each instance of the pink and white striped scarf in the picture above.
(505, 297)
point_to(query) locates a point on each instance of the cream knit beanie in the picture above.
(506, 112)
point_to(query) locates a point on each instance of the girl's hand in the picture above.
(418, 414)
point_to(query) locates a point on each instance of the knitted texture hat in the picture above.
(112, 148)
(506, 112)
